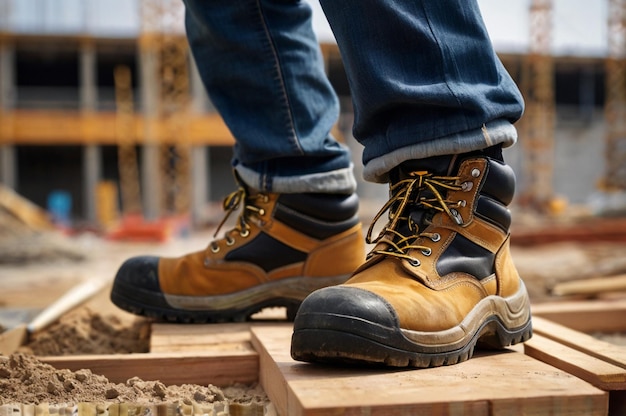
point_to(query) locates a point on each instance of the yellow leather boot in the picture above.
(439, 280)
(283, 247)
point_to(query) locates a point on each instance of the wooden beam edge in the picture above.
(585, 316)
(272, 380)
(595, 371)
(217, 368)
(604, 351)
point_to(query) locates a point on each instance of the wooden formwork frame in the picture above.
(564, 338)
(561, 369)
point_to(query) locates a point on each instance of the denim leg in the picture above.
(261, 65)
(424, 78)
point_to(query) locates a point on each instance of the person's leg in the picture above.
(433, 108)
(263, 70)
(298, 228)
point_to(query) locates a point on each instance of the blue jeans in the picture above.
(423, 74)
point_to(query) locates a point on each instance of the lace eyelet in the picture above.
(414, 262)
(475, 172)
(457, 217)
(230, 241)
(244, 233)
(261, 212)
(467, 186)
(435, 237)
(214, 249)
(427, 252)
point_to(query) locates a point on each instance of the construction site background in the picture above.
(101, 127)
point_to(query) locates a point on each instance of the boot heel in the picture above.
(498, 337)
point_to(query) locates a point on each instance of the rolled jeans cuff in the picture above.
(495, 132)
(339, 181)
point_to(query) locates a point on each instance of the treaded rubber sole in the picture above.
(181, 316)
(339, 347)
(237, 307)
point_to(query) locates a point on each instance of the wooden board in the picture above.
(204, 337)
(595, 229)
(499, 383)
(218, 354)
(211, 367)
(579, 341)
(596, 371)
(209, 337)
(29, 214)
(600, 363)
(591, 287)
(586, 316)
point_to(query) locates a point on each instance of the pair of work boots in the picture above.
(438, 281)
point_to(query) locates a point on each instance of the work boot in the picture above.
(283, 247)
(439, 280)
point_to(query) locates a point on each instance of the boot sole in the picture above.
(232, 307)
(353, 341)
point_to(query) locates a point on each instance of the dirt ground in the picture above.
(97, 327)
(28, 286)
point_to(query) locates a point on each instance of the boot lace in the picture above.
(232, 203)
(420, 191)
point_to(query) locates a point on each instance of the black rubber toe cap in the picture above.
(136, 288)
(349, 325)
(344, 308)
(139, 273)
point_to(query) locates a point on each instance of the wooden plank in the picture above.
(212, 367)
(595, 229)
(205, 337)
(592, 286)
(600, 373)
(506, 382)
(31, 215)
(225, 337)
(586, 316)
(587, 344)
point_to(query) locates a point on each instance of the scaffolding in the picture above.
(126, 148)
(164, 52)
(539, 123)
(615, 106)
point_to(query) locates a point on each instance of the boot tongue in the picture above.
(437, 165)
(420, 216)
(446, 165)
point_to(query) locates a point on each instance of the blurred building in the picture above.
(59, 131)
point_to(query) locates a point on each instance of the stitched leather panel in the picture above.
(493, 212)
(499, 182)
(312, 226)
(267, 253)
(327, 207)
(464, 256)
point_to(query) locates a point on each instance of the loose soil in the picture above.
(26, 380)
(83, 331)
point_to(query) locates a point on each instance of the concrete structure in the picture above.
(57, 109)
